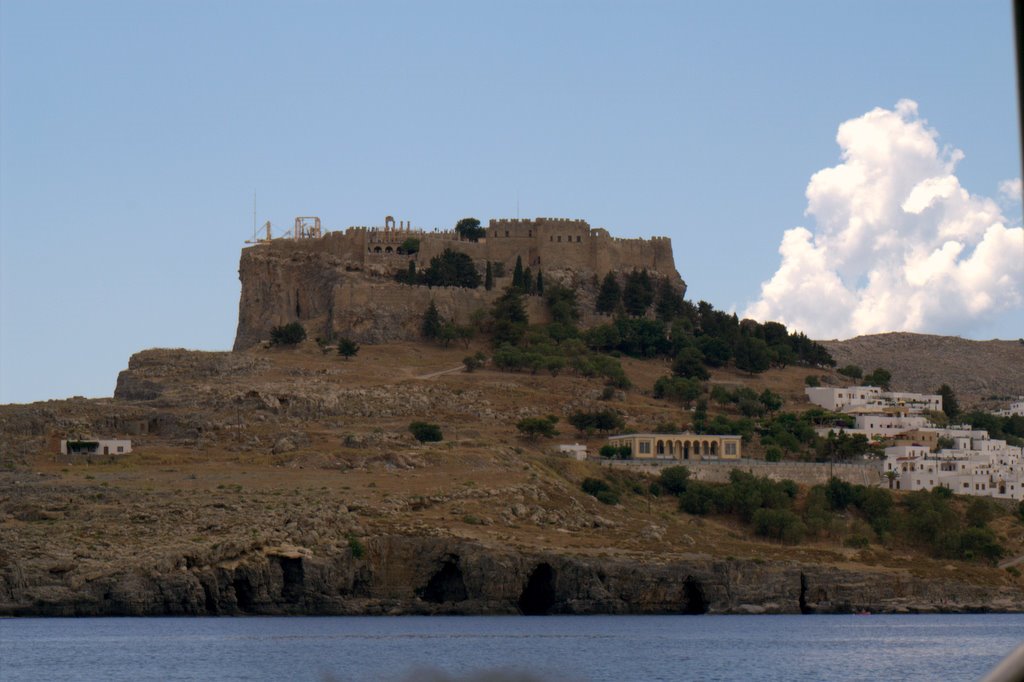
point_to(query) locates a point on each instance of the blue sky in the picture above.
(133, 134)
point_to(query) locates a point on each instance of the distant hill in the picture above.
(980, 372)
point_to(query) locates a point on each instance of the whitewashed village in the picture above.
(920, 455)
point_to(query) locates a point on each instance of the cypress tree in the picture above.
(540, 282)
(610, 295)
(488, 277)
(527, 281)
(431, 328)
(517, 274)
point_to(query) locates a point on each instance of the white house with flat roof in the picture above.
(94, 446)
(838, 399)
(1016, 409)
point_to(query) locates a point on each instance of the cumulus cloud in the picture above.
(898, 243)
(1011, 189)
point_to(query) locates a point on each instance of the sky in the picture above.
(843, 167)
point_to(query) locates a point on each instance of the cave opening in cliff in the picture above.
(292, 578)
(446, 585)
(539, 595)
(694, 601)
(804, 607)
(243, 593)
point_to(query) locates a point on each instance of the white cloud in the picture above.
(898, 243)
(1011, 189)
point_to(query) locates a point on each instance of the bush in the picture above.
(474, 362)
(852, 371)
(779, 524)
(812, 381)
(593, 486)
(602, 420)
(426, 433)
(674, 479)
(535, 427)
(287, 334)
(773, 454)
(347, 348)
(616, 451)
(607, 497)
(356, 547)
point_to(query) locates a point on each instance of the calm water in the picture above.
(947, 647)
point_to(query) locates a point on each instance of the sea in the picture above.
(509, 648)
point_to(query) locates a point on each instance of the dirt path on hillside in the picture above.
(442, 372)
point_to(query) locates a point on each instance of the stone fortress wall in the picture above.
(342, 281)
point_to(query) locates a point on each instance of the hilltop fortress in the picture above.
(342, 283)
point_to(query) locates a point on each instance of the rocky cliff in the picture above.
(408, 575)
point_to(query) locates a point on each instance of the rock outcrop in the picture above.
(407, 575)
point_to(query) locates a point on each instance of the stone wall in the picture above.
(807, 473)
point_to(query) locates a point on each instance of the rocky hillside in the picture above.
(286, 481)
(982, 373)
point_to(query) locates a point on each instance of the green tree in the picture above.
(668, 303)
(880, 378)
(700, 416)
(287, 334)
(425, 432)
(469, 228)
(540, 283)
(852, 371)
(609, 296)
(716, 351)
(677, 389)
(752, 355)
(689, 364)
(488, 277)
(601, 420)
(950, 405)
(771, 401)
(536, 427)
(347, 348)
(509, 318)
(518, 281)
(452, 269)
(431, 325)
(410, 246)
(674, 479)
(638, 294)
(474, 362)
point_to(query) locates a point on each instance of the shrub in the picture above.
(812, 381)
(852, 371)
(426, 433)
(593, 486)
(773, 454)
(356, 547)
(347, 348)
(674, 479)
(607, 497)
(535, 427)
(287, 334)
(779, 524)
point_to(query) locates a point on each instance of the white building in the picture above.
(837, 399)
(1016, 409)
(91, 446)
(975, 465)
(574, 451)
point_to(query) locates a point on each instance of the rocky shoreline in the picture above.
(398, 575)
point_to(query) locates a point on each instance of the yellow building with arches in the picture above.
(682, 446)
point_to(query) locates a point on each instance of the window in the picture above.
(559, 238)
(645, 447)
(506, 233)
(120, 449)
(730, 449)
(577, 239)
